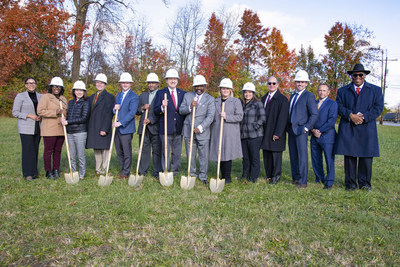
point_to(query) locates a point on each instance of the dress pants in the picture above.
(318, 165)
(251, 158)
(363, 173)
(272, 163)
(52, 147)
(30, 151)
(101, 158)
(151, 143)
(203, 147)
(77, 143)
(298, 156)
(226, 169)
(123, 147)
(175, 148)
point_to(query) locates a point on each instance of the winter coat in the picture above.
(77, 116)
(47, 109)
(253, 120)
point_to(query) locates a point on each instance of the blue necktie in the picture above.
(293, 103)
(119, 99)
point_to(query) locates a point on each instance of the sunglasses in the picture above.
(355, 75)
(271, 83)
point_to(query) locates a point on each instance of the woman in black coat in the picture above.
(251, 132)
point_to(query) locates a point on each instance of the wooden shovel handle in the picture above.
(141, 143)
(66, 140)
(112, 142)
(191, 139)
(220, 139)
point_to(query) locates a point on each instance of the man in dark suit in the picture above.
(174, 120)
(274, 140)
(359, 104)
(152, 135)
(205, 109)
(127, 103)
(323, 138)
(303, 114)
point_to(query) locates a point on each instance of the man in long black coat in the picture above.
(359, 105)
(274, 140)
(99, 128)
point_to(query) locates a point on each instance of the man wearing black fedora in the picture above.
(359, 105)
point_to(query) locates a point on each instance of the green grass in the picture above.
(51, 223)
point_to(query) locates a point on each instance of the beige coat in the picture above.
(47, 108)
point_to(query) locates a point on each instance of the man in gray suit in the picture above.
(204, 116)
(152, 135)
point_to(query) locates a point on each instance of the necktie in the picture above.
(358, 90)
(197, 99)
(173, 98)
(119, 99)
(293, 103)
(319, 103)
(95, 100)
(268, 99)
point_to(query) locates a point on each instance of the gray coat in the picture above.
(205, 110)
(231, 142)
(23, 106)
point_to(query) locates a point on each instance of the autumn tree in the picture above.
(309, 62)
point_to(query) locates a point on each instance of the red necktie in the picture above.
(358, 90)
(173, 98)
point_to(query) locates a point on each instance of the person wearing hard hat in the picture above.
(100, 120)
(359, 103)
(233, 115)
(51, 128)
(76, 124)
(303, 114)
(251, 131)
(276, 107)
(174, 119)
(152, 142)
(204, 116)
(127, 103)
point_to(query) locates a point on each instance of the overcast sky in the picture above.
(302, 23)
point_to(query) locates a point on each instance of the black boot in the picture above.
(49, 175)
(56, 174)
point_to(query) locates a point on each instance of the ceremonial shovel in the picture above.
(166, 178)
(217, 185)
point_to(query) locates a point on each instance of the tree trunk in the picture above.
(81, 12)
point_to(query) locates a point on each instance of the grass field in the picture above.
(47, 222)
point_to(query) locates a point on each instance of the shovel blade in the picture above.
(188, 182)
(135, 180)
(217, 185)
(72, 180)
(166, 179)
(105, 180)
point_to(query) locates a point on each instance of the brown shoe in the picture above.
(301, 185)
(121, 176)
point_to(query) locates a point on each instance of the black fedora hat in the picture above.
(358, 68)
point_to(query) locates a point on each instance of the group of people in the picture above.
(249, 125)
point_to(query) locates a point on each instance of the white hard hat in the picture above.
(152, 78)
(171, 73)
(301, 76)
(125, 78)
(226, 82)
(199, 80)
(249, 87)
(79, 85)
(101, 78)
(57, 81)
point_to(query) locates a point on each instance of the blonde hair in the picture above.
(231, 93)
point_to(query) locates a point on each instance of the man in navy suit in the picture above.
(174, 120)
(151, 137)
(359, 104)
(127, 103)
(303, 114)
(323, 138)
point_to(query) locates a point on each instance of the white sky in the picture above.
(303, 23)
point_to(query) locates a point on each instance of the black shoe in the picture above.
(327, 187)
(295, 182)
(228, 181)
(367, 188)
(56, 173)
(205, 181)
(35, 176)
(49, 175)
(350, 188)
(275, 180)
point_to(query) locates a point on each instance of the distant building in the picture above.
(394, 117)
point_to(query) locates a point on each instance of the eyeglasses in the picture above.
(30, 83)
(271, 83)
(355, 75)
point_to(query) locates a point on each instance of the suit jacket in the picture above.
(327, 116)
(100, 119)
(127, 112)
(174, 119)
(231, 142)
(153, 127)
(359, 140)
(304, 113)
(23, 106)
(204, 116)
(277, 114)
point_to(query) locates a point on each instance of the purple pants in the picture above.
(52, 146)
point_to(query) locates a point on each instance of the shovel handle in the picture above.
(191, 139)
(66, 140)
(112, 142)
(220, 139)
(165, 138)
(141, 143)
